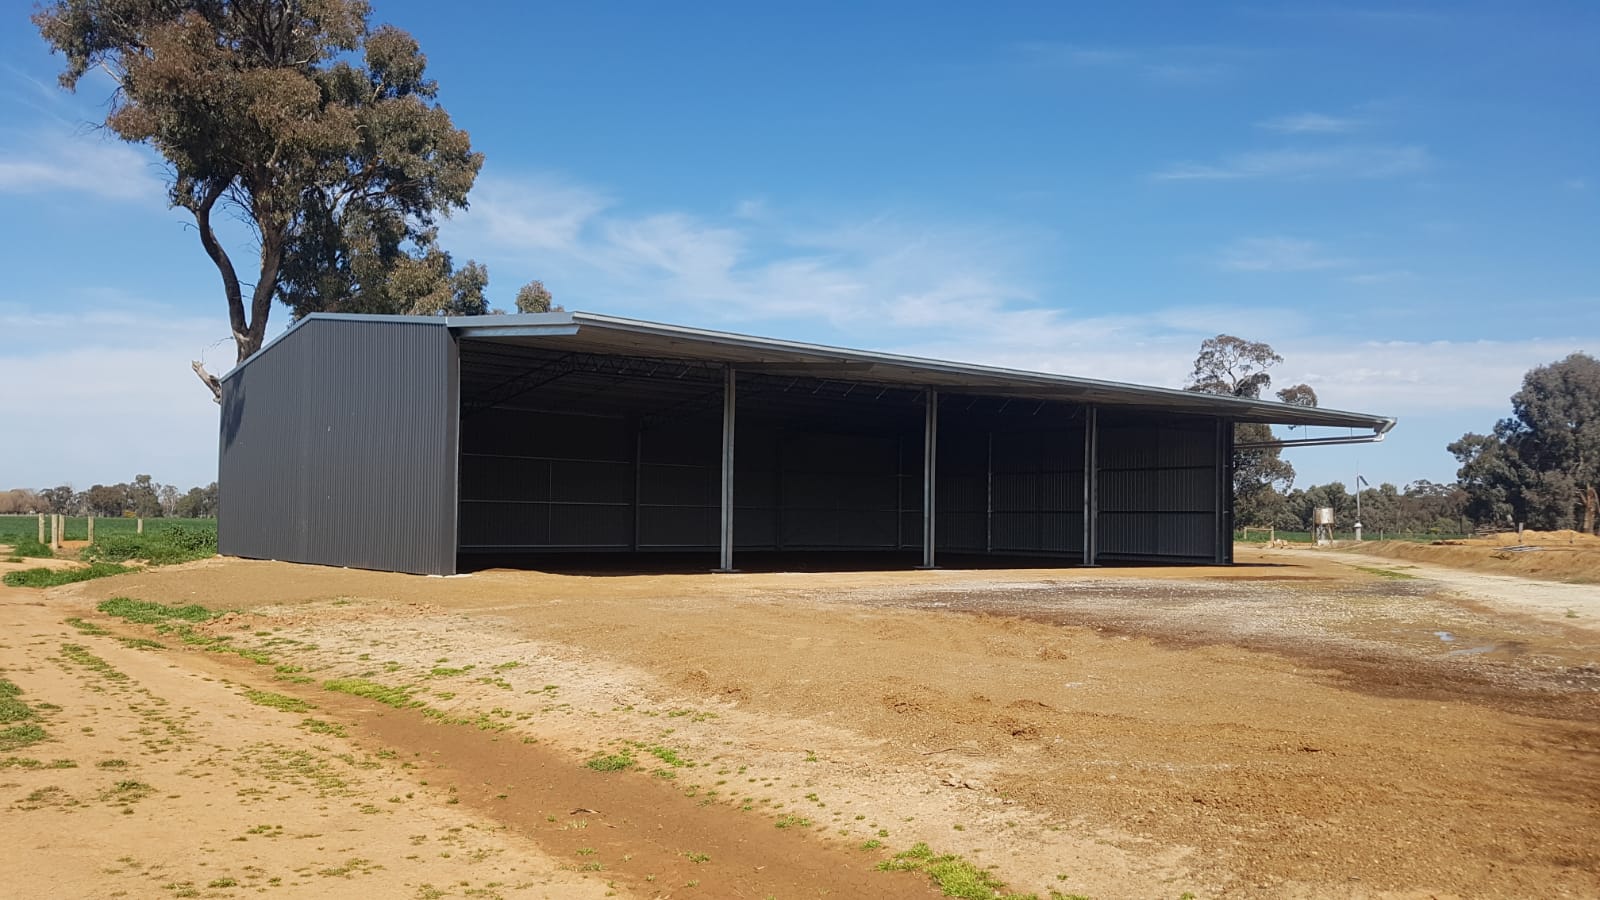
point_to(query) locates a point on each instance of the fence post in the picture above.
(55, 531)
(91, 529)
(41, 528)
(139, 528)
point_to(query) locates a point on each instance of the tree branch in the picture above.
(219, 256)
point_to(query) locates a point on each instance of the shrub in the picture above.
(161, 546)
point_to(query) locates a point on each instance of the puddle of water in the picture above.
(1474, 651)
(1444, 636)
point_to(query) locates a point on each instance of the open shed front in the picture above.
(432, 445)
(566, 450)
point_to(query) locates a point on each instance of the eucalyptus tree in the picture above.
(317, 131)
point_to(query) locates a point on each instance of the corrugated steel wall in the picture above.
(1158, 488)
(339, 446)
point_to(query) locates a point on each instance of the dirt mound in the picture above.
(1569, 556)
(1537, 538)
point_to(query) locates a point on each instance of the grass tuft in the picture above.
(954, 876)
(18, 736)
(398, 697)
(46, 578)
(278, 701)
(148, 612)
(614, 762)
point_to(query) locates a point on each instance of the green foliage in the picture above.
(18, 736)
(318, 132)
(278, 701)
(534, 297)
(163, 545)
(27, 545)
(148, 612)
(1541, 465)
(614, 762)
(398, 697)
(44, 578)
(954, 876)
(12, 709)
(1233, 367)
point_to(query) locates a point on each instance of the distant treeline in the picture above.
(143, 497)
(1421, 507)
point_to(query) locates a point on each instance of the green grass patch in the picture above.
(954, 876)
(27, 545)
(140, 643)
(77, 527)
(18, 736)
(793, 822)
(278, 701)
(12, 709)
(148, 612)
(46, 578)
(159, 546)
(613, 762)
(398, 697)
(80, 654)
(317, 726)
(86, 627)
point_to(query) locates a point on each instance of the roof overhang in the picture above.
(580, 332)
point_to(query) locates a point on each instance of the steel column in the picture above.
(1091, 485)
(729, 377)
(930, 459)
(638, 478)
(988, 497)
(1224, 532)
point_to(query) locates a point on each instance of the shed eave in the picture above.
(593, 332)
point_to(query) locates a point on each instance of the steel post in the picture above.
(729, 377)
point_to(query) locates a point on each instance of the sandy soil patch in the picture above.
(1293, 727)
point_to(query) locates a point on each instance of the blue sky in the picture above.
(1403, 200)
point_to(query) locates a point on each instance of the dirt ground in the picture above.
(1566, 556)
(1305, 724)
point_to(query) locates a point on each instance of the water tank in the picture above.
(1322, 515)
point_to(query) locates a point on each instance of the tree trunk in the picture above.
(1591, 506)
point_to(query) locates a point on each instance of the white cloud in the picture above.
(1367, 278)
(111, 395)
(1178, 66)
(1276, 254)
(1310, 123)
(84, 163)
(1338, 162)
(745, 266)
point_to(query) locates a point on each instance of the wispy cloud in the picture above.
(1357, 162)
(1390, 277)
(1576, 185)
(87, 164)
(1276, 254)
(1311, 123)
(128, 361)
(748, 264)
(1177, 66)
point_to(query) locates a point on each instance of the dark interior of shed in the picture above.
(585, 456)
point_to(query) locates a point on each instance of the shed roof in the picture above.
(583, 332)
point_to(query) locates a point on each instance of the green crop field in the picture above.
(78, 527)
